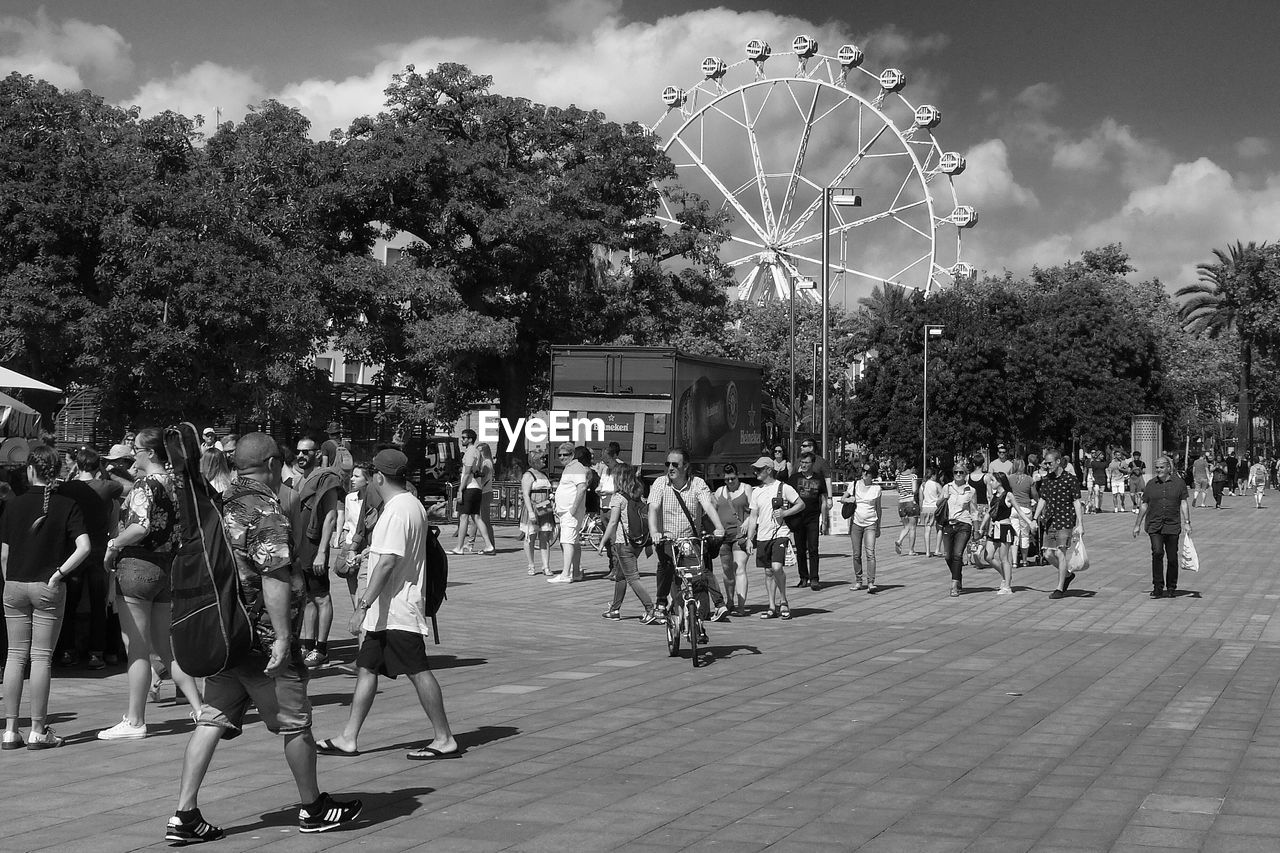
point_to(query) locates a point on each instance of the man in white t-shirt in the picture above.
(391, 612)
(771, 503)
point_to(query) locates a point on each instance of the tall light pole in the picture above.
(930, 331)
(841, 197)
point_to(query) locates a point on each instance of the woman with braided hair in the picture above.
(42, 540)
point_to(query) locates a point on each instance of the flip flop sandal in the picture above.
(327, 747)
(769, 614)
(428, 753)
(784, 612)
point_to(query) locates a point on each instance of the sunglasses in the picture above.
(675, 464)
(306, 450)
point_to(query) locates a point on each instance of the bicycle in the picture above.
(690, 567)
(591, 535)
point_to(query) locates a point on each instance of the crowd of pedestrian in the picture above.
(100, 533)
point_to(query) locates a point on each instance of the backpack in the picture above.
(435, 578)
(211, 629)
(593, 496)
(638, 523)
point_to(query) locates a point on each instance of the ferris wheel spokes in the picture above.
(840, 176)
(747, 218)
(762, 182)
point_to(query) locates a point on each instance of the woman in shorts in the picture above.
(733, 503)
(908, 508)
(1001, 531)
(930, 497)
(139, 557)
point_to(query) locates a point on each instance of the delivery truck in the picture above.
(651, 399)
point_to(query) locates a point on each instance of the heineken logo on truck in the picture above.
(557, 427)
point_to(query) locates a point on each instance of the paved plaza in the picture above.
(901, 721)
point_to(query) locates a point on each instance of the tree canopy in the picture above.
(1067, 355)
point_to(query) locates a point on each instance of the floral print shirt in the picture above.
(153, 504)
(260, 538)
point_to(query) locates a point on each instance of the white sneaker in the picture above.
(123, 730)
(1004, 590)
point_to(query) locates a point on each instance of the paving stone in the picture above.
(877, 723)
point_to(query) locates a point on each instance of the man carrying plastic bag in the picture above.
(1166, 513)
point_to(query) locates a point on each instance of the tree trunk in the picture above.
(1244, 423)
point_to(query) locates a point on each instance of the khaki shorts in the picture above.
(281, 701)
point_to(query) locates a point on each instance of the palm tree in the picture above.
(1212, 307)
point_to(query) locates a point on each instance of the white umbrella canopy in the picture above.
(14, 379)
(16, 405)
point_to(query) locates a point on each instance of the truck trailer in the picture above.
(654, 398)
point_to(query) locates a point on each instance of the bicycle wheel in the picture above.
(691, 617)
(673, 636)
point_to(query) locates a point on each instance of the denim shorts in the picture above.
(142, 580)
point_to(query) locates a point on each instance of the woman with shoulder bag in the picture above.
(625, 542)
(539, 516)
(864, 527)
(961, 508)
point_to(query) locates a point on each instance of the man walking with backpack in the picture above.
(273, 677)
(395, 614)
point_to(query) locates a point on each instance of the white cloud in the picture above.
(72, 54)
(577, 64)
(1114, 147)
(988, 182)
(1171, 226)
(1253, 147)
(202, 90)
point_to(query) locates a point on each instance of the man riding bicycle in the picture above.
(677, 504)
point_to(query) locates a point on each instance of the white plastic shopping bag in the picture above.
(791, 550)
(1188, 559)
(1078, 557)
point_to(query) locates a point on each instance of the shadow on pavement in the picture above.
(378, 807)
(720, 651)
(466, 740)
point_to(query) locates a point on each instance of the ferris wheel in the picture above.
(772, 150)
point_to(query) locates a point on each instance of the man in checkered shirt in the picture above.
(667, 519)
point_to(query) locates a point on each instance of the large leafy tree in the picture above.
(176, 276)
(1067, 355)
(533, 231)
(1237, 298)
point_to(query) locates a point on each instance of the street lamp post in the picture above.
(930, 331)
(840, 197)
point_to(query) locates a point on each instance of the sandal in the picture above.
(533, 570)
(784, 612)
(769, 614)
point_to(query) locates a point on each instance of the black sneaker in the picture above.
(803, 582)
(330, 813)
(702, 636)
(814, 585)
(1056, 594)
(193, 831)
(1156, 593)
(1066, 582)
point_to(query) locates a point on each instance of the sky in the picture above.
(1151, 123)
